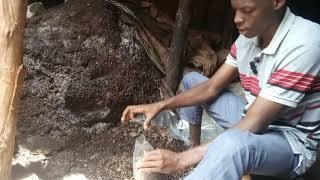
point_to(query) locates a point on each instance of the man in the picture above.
(276, 130)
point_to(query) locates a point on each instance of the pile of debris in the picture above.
(84, 66)
(86, 60)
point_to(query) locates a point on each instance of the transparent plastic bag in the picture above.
(180, 130)
(141, 146)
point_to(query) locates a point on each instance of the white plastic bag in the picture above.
(140, 147)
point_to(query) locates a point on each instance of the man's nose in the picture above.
(238, 18)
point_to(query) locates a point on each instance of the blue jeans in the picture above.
(235, 153)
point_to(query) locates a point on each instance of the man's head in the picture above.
(254, 17)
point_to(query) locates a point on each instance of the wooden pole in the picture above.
(177, 48)
(12, 25)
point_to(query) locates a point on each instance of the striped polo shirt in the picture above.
(286, 72)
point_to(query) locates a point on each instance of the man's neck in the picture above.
(266, 37)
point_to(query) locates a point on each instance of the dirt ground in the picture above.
(84, 66)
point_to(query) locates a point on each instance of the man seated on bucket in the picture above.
(273, 132)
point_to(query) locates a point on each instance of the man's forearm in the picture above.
(191, 157)
(196, 95)
(203, 92)
(259, 116)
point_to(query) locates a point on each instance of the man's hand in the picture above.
(167, 162)
(149, 110)
(161, 161)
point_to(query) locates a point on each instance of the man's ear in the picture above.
(278, 4)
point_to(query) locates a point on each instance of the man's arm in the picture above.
(168, 162)
(205, 91)
(197, 95)
(260, 114)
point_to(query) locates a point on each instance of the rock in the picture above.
(43, 144)
(100, 127)
(94, 156)
(134, 134)
(35, 9)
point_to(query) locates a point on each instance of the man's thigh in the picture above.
(235, 153)
(274, 155)
(226, 109)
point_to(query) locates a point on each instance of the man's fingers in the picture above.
(162, 161)
(152, 153)
(124, 114)
(129, 113)
(132, 115)
(147, 122)
(152, 157)
(149, 164)
(151, 170)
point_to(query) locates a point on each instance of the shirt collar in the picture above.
(281, 33)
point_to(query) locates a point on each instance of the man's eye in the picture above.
(247, 11)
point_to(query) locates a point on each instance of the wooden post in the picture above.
(12, 25)
(177, 48)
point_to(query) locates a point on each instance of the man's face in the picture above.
(253, 17)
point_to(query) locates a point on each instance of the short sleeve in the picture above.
(294, 77)
(232, 56)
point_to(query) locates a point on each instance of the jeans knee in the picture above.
(190, 79)
(235, 141)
